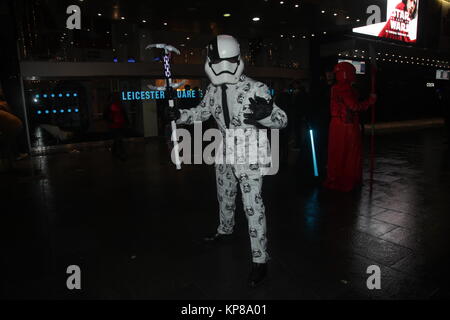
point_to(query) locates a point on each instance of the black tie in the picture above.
(226, 113)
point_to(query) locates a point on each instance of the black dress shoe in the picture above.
(258, 274)
(216, 238)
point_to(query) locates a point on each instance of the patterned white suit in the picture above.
(247, 173)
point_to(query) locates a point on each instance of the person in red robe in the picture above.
(116, 118)
(344, 170)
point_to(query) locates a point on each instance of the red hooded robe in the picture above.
(344, 171)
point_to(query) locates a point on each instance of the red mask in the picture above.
(345, 72)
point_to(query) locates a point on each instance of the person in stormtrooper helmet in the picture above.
(236, 101)
(224, 64)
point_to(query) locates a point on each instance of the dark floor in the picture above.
(133, 228)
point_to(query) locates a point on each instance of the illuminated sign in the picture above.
(401, 25)
(157, 95)
(360, 66)
(442, 74)
(142, 95)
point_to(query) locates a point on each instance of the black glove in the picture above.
(261, 108)
(173, 113)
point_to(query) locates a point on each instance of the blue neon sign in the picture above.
(158, 95)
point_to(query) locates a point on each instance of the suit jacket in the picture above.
(244, 136)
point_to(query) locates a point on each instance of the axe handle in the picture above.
(372, 136)
(175, 145)
(174, 139)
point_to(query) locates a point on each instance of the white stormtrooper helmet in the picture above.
(224, 64)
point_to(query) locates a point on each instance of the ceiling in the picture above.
(289, 17)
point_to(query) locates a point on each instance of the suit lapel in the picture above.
(217, 108)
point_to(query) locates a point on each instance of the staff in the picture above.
(373, 63)
(169, 88)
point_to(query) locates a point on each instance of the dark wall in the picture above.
(9, 66)
(429, 24)
(9, 63)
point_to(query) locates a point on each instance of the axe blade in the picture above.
(167, 48)
(173, 85)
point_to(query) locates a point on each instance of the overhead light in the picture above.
(256, 19)
(281, 36)
(281, 2)
(99, 14)
(165, 23)
(335, 14)
(323, 11)
(144, 21)
(187, 38)
(296, 5)
(226, 15)
(358, 20)
(122, 18)
(324, 32)
(293, 36)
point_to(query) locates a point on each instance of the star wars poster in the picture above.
(401, 22)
